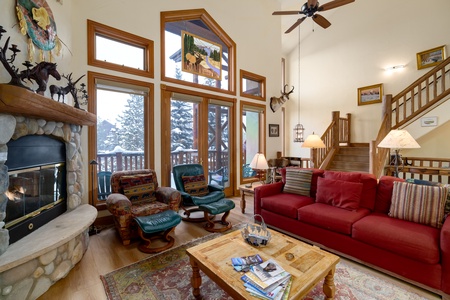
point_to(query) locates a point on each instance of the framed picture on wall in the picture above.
(370, 94)
(430, 58)
(274, 130)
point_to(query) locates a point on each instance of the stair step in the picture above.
(351, 157)
(354, 150)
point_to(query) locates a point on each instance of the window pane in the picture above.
(250, 138)
(123, 54)
(251, 87)
(120, 131)
(218, 154)
(173, 53)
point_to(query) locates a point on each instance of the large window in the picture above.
(252, 137)
(123, 138)
(117, 50)
(196, 52)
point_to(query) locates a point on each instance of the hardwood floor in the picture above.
(106, 253)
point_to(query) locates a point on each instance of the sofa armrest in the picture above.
(445, 256)
(170, 196)
(264, 191)
(118, 204)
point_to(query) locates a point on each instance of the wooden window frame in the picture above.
(94, 29)
(149, 132)
(262, 136)
(201, 14)
(253, 77)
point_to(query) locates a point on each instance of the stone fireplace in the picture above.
(31, 265)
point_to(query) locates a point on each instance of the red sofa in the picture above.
(360, 230)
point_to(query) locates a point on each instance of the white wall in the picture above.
(365, 37)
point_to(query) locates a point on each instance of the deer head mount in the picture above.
(277, 102)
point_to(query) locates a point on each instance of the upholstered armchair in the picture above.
(190, 181)
(136, 193)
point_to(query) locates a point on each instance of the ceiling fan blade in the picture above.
(299, 21)
(287, 12)
(312, 3)
(321, 21)
(334, 4)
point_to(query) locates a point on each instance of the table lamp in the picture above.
(313, 141)
(398, 139)
(259, 164)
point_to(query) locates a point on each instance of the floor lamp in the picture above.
(398, 139)
(313, 141)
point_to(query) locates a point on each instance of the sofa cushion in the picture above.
(316, 174)
(298, 181)
(195, 185)
(285, 204)
(332, 218)
(432, 183)
(138, 187)
(369, 182)
(343, 194)
(412, 240)
(418, 203)
(384, 193)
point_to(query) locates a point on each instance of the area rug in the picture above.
(167, 276)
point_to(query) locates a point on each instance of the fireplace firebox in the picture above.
(37, 183)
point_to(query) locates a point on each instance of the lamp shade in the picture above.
(259, 162)
(398, 139)
(313, 141)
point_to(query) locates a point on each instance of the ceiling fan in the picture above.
(309, 9)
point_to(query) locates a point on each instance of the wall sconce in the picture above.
(395, 68)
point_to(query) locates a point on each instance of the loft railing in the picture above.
(337, 134)
(431, 169)
(410, 104)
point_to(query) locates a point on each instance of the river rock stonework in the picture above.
(32, 278)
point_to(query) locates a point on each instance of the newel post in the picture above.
(335, 130)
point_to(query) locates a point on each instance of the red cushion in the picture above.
(331, 218)
(343, 194)
(345, 176)
(384, 193)
(405, 238)
(369, 182)
(285, 204)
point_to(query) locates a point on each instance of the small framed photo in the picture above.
(274, 130)
(430, 58)
(370, 94)
(429, 121)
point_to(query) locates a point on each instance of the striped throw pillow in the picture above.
(419, 203)
(298, 181)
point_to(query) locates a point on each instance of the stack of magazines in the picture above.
(264, 280)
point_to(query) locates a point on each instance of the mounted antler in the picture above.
(276, 103)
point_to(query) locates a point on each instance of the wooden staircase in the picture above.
(351, 158)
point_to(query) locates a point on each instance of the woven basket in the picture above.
(256, 234)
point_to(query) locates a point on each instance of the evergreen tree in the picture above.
(131, 129)
(181, 123)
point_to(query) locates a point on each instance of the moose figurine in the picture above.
(62, 91)
(276, 103)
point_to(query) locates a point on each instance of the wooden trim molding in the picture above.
(94, 28)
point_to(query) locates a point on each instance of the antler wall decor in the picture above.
(277, 102)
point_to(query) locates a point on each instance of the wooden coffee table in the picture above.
(309, 265)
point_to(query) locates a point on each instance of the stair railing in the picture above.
(337, 133)
(424, 94)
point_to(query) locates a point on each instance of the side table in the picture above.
(249, 191)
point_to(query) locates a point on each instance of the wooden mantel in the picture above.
(20, 101)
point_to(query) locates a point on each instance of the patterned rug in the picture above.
(167, 276)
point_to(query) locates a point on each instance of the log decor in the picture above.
(20, 101)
